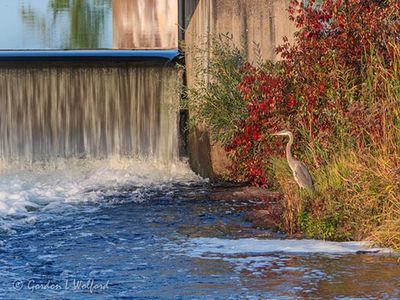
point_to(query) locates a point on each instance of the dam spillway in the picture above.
(88, 110)
(82, 79)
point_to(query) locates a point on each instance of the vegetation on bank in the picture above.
(337, 88)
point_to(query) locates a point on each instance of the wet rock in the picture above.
(269, 217)
(368, 251)
(245, 194)
(261, 207)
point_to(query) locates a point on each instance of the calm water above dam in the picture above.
(56, 24)
(88, 24)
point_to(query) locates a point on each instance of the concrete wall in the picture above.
(258, 25)
(145, 24)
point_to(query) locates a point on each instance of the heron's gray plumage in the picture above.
(302, 176)
(299, 170)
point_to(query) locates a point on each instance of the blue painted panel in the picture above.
(89, 55)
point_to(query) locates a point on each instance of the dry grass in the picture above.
(357, 189)
(357, 197)
(388, 234)
(292, 204)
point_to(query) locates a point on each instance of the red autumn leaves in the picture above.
(334, 35)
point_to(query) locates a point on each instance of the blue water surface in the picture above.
(130, 244)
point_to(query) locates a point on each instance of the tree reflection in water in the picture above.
(84, 22)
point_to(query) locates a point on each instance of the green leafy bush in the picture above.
(213, 98)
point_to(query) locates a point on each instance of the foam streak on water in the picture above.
(202, 247)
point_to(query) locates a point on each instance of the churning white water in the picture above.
(54, 186)
(79, 133)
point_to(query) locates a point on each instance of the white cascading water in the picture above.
(81, 133)
(88, 112)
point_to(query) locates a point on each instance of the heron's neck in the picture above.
(289, 148)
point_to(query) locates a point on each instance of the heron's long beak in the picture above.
(279, 133)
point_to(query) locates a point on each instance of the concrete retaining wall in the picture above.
(257, 25)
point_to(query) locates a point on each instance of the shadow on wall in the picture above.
(150, 24)
(194, 25)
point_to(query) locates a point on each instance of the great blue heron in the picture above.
(300, 171)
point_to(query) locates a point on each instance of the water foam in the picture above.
(216, 247)
(54, 186)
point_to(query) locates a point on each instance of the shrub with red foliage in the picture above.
(335, 34)
(266, 104)
(332, 35)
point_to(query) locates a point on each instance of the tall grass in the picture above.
(357, 188)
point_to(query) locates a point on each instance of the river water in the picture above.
(131, 229)
(94, 203)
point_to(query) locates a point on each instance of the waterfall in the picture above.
(88, 111)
